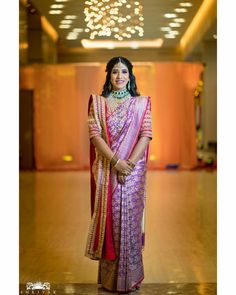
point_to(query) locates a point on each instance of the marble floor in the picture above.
(180, 251)
(146, 289)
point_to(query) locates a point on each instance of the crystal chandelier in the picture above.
(114, 18)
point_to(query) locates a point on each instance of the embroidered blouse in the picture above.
(146, 128)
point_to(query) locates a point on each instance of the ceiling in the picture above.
(153, 13)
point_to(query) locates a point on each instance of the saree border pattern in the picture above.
(101, 172)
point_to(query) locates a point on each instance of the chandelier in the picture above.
(114, 18)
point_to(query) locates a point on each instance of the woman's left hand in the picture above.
(121, 178)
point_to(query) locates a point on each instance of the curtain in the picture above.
(61, 94)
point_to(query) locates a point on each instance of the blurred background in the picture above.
(62, 61)
(64, 46)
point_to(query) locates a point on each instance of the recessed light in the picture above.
(170, 15)
(165, 29)
(70, 17)
(185, 4)
(55, 11)
(78, 30)
(169, 36)
(174, 25)
(174, 32)
(64, 26)
(66, 21)
(55, 6)
(61, 0)
(72, 36)
(181, 10)
(179, 20)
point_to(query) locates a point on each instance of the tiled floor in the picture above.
(180, 230)
(146, 289)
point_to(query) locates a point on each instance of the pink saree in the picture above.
(115, 235)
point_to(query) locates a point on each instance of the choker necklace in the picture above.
(119, 93)
(117, 98)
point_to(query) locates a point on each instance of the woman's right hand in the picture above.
(123, 167)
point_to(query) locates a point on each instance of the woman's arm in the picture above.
(139, 149)
(102, 147)
(137, 153)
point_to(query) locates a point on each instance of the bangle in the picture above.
(117, 162)
(114, 160)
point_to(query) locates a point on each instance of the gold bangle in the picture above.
(114, 160)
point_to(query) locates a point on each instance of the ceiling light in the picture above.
(109, 44)
(174, 25)
(134, 45)
(174, 32)
(72, 36)
(66, 21)
(61, 0)
(64, 26)
(165, 29)
(78, 30)
(55, 11)
(169, 36)
(170, 15)
(185, 4)
(113, 19)
(55, 6)
(179, 20)
(70, 17)
(181, 10)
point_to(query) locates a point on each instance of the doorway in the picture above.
(26, 132)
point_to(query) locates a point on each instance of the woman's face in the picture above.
(119, 76)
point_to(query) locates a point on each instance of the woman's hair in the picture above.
(133, 87)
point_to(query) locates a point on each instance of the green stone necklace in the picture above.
(117, 98)
(119, 94)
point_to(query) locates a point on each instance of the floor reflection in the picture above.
(146, 289)
(180, 229)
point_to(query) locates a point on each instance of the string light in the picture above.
(118, 18)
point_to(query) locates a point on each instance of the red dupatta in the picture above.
(100, 242)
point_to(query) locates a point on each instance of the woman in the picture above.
(120, 130)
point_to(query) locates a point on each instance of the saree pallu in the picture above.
(115, 234)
